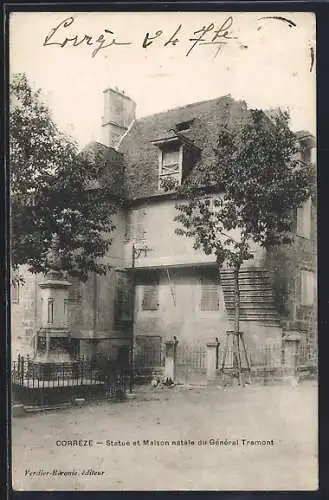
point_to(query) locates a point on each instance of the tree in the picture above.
(49, 181)
(248, 195)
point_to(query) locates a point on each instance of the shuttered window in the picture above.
(150, 300)
(135, 225)
(140, 225)
(209, 295)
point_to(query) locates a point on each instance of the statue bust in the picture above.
(54, 260)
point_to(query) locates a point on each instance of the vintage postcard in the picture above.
(163, 251)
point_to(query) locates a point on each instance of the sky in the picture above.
(266, 62)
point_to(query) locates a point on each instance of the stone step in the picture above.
(249, 270)
(251, 299)
(268, 322)
(253, 307)
(264, 312)
(248, 286)
(246, 276)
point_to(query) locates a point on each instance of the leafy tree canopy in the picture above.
(49, 191)
(249, 194)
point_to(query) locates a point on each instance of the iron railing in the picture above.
(47, 383)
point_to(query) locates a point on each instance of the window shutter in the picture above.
(140, 224)
(209, 295)
(150, 298)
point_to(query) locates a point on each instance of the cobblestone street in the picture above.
(257, 438)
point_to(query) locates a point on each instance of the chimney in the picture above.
(119, 112)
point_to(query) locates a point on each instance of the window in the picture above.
(180, 127)
(209, 294)
(307, 285)
(123, 299)
(15, 291)
(170, 167)
(66, 312)
(50, 311)
(304, 214)
(139, 227)
(135, 226)
(150, 301)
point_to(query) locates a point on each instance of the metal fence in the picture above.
(38, 383)
(149, 353)
(191, 359)
(192, 355)
(307, 359)
(270, 361)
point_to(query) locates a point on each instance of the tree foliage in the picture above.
(250, 194)
(49, 190)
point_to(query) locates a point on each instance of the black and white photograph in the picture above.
(163, 251)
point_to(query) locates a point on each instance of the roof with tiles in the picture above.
(200, 124)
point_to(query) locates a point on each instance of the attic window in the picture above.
(170, 167)
(180, 127)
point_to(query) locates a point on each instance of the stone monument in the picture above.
(52, 358)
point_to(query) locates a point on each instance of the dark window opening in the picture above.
(123, 299)
(180, 127)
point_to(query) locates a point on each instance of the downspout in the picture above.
(94, 303)
(133, 302)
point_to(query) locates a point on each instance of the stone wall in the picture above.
(286, 263)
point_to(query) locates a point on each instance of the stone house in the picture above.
(159, 286)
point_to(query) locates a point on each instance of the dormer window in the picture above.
(177, 155)
(170, 167)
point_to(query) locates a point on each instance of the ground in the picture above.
(217, 420)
